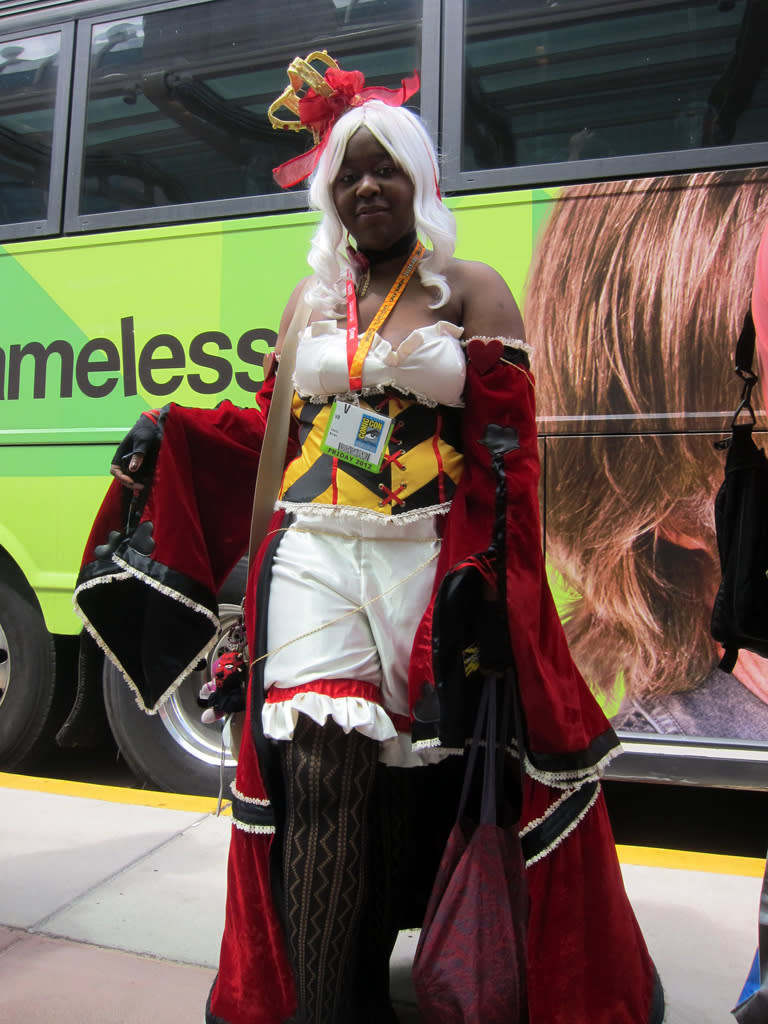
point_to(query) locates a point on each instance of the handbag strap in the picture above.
(485, 729)
(488, 804)
(745, 347)
(272, 458)
(743, 356)
(477, 734)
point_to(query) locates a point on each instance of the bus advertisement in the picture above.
(145, 258)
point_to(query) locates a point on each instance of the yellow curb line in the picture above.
(685, 860)
(640, 856)
(114, 794)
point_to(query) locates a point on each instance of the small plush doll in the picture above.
(225, 693)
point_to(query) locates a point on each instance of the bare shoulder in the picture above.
(290, 309)
(471, 272)
(488, 306)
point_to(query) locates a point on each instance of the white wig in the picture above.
(404, 137)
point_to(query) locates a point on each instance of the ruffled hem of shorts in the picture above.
(279, 721)
(279, 718)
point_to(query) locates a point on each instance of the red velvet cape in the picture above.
(587, 961)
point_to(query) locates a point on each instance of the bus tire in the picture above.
(172, 750)
(29, 709)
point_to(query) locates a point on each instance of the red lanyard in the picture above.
(358, 348)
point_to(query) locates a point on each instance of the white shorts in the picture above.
(346, 597)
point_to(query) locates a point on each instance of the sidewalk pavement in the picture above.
(112, 908)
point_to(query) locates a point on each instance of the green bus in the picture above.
(608, 157)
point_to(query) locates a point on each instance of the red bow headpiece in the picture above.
(318, 101)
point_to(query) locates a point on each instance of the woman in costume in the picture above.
(413, 410)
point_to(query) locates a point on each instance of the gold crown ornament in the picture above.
(317, 100)
(301, 78)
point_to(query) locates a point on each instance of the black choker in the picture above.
(400, 248)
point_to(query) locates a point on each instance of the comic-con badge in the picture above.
(358, 436)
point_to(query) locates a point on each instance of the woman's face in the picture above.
(372, 195)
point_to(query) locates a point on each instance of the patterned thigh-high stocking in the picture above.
(329, 781)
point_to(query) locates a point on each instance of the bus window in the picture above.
(28, 79)
(177, 99)
(553, 83)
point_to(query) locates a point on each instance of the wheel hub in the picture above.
(5, 665)
(181, 713)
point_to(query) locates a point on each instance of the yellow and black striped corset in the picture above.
(420, 470)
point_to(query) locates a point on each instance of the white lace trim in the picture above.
(506, 342)
(566, 779)
(168, 591)
(262, 830)
(420, 746)
(566, 832)
(401, 752)
(353, 397)
(428, 744)
(129, 571)
(247, 799)
(535, 822)
(353, 512)
(113, 578)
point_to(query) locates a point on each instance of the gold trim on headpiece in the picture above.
(302, 76)
(317, 104)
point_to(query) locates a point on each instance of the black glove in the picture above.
(143, 439)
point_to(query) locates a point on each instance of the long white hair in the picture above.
(404, 137)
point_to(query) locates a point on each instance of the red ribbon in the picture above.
(320, 114)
